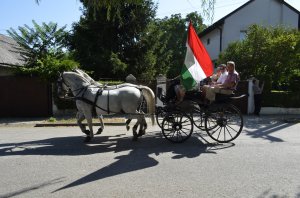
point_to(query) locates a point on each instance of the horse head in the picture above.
(63, 90)
(71, 82)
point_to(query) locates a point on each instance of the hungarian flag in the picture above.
(198, 64)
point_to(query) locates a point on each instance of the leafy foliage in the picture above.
(108, 47)
(270, 54)
(48, 67)
(114, 38)
(174, 35)
(43, 48)
(40, 41)
(133, 43)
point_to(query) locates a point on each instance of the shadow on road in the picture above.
(138, 158)
(263, 127)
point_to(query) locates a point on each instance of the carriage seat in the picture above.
(225, 98)
(193, 95)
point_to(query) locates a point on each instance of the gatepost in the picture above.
(131, 79)
(161, 89)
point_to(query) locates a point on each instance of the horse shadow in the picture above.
(139, 153)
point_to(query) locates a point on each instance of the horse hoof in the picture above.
(127, 127)
(87, 132)
(141, 133)
(87, 139)
(99, 131)
(135, 138)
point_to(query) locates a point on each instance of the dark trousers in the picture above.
(257, 103)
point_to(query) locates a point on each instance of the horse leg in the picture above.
(143, 125)
(134, 129)
(89, 119)
(102, 125)
(80, 117)
(127, 124)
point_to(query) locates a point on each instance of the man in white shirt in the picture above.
(223, 75)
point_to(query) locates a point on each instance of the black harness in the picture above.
(94, 103)
(80, 96)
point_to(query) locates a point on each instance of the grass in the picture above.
(74, 120)
(52, 119)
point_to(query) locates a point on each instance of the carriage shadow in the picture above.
(139, 155)
(264, 127)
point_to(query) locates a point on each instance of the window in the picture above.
(208, 41)
(243, 34)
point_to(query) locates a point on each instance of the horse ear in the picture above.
(59, 74)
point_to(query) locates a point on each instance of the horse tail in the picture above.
(150, 99)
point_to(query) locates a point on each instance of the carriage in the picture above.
(221, 120)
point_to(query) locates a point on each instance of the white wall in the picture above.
(290, 18)
(214, 47)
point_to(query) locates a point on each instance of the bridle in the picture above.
(68, 94)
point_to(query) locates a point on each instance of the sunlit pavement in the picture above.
(54, 162)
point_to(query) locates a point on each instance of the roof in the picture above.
(10, 52)
(222, 20)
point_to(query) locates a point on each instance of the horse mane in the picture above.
(87, 77)
(77, 75)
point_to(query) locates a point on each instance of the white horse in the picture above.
(126, 99)
(97, 84)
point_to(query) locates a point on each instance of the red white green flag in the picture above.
(198, 64)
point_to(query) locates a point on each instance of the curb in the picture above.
(74, 124)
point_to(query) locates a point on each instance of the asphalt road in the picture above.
(264, 161)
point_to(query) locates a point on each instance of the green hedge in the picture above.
(281, 99)
(111, 82)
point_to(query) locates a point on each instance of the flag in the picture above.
(198, 64)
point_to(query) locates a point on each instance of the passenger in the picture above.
(227, 87)
(223, 74)
(215, 77)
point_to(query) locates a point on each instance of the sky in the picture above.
(14, 13)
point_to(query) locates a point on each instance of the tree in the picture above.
(174, 35)
(144, 47)
(43, 48)
(109, 46)
(267, 53)
(40, 41)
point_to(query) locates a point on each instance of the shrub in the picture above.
(281, 99)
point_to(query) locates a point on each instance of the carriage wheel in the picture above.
(198, 118)
(177, 127)
(223, 122)
(160, 114)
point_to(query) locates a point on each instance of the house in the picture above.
(21, 96)
(233, 27)
(10, 55)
